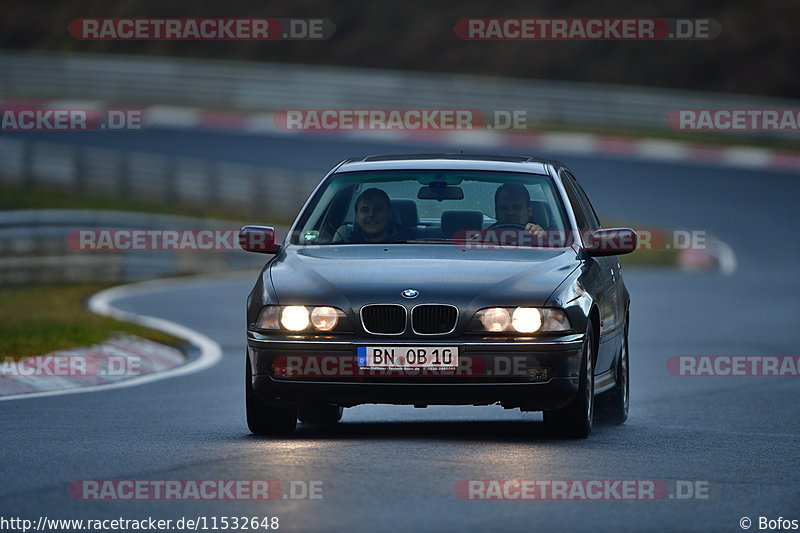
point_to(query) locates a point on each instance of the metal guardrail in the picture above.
(256, 86)
(34, 248)
(264, 192)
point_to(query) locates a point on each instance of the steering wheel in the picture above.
(507, 225)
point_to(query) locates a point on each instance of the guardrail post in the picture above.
(123, 177)
(213, 184)
(80, 166)
(257, 196)
(28, 175)
(170, 177)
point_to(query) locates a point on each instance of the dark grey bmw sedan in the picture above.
(440, 279)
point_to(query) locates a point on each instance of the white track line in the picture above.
(101, 303)
(726, 258)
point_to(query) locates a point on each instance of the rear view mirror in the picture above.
(259, 239)
(440, 191)
(615, 241)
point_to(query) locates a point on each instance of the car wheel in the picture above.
(575, 420)
(264, 419)
(612, 406)
(320, 415)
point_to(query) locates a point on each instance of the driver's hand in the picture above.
(534, 229)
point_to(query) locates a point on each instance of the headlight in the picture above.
(297, 318)
(294, 317)
(526, 319)
(495, 319)
(324, 318)
(520, 320)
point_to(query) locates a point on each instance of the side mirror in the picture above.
(259, 239)
(616, 241)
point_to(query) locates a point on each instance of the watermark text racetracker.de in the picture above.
(734, 119)
(69, 365)
(337, 120)
(42, 119)
(340, 119)
(99, 240)
(194, 29)
(586, 29)
(403, 365)
(379, 119)
(644, 240)
(734, 365)
(194, 490)
(582, 489)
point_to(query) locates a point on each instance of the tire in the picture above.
(263, 419)
(320, 414)
(612, 406)
(575, 420)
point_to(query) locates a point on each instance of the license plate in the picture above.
(407, 356)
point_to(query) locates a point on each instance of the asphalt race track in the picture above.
(387, 468)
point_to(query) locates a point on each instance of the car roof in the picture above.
(507, 163)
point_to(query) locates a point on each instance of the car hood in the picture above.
(349, 276)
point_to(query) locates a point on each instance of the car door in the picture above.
(602, 272)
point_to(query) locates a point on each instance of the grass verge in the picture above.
(47, 198)
(41, 319)
(643, 258)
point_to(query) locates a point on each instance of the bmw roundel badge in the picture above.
(410, 293)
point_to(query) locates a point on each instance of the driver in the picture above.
(512, 206)
(373, 220)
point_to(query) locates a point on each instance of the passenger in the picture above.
(373, 220)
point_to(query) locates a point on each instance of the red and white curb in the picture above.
(718, 255)
(110, 361)
(161, 362)
(563, 143)
(566, 143)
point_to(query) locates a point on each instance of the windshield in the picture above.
(434, 206)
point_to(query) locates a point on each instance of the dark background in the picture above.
(756, 53)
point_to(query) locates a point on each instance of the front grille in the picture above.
(384, 319)
(434, 319)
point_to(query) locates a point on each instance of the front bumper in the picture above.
(532, 374)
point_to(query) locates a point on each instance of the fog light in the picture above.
(538, 374)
